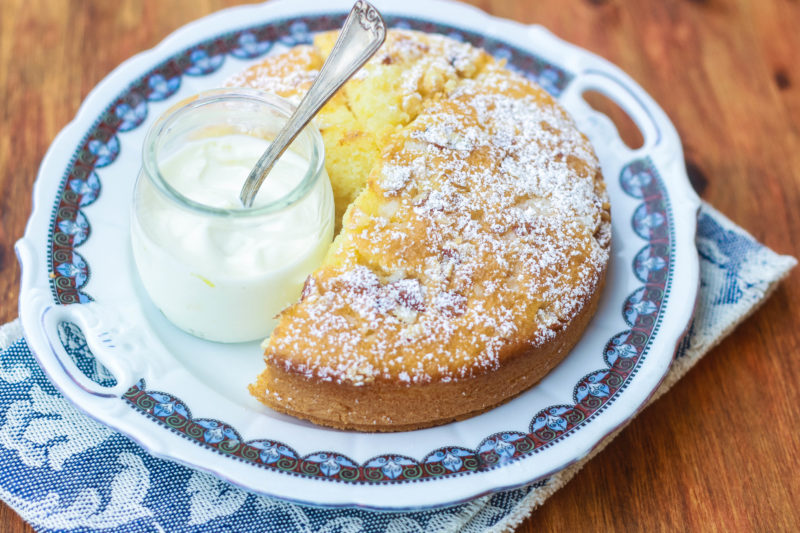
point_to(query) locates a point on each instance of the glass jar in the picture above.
(214, 268)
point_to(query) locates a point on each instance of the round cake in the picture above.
(474, 240)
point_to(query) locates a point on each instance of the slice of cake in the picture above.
(472, 252)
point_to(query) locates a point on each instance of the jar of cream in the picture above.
(218, 270)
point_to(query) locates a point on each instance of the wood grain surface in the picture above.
(720, 452)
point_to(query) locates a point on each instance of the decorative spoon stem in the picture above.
(362, 34)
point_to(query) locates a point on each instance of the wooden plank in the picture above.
(720, 451)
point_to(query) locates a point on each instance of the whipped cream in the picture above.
(225, 278)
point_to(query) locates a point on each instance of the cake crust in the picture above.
(388, 407)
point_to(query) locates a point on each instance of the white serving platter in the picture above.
(186, 400)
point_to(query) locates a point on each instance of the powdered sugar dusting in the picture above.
(289, 75)
(395, 177)
(484, 230)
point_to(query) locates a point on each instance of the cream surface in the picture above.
(225, 278)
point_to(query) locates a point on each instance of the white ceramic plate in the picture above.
(185, 399)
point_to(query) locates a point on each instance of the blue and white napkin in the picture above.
(62, 471)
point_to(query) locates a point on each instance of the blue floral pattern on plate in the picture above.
(202, 63)
(250, 47)
(161, 87)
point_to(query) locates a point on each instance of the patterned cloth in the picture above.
(63, 471)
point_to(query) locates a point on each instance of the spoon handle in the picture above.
(363, 33)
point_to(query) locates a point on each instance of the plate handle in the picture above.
(593, 73)
(625, 96)
(590, 72)
(126, 350)
(110, 341)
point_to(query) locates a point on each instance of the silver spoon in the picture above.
(362, 34)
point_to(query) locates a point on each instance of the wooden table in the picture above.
(721, 450)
